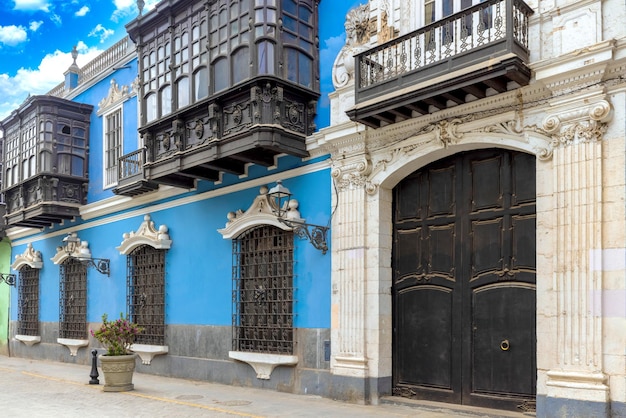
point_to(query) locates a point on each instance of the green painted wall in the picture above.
(5, 296)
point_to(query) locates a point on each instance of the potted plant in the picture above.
(118, 363)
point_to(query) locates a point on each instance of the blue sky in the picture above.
(37, 36)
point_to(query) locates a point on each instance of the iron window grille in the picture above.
(73, 300)
(263, 291)
(28, 301)
(146, 293)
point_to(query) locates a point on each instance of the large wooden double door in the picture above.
(464, 281)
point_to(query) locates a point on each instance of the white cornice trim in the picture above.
(117, 204)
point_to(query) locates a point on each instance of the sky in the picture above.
(37, 37)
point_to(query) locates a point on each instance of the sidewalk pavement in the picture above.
(34, 388)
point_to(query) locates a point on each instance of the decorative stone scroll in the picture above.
(30, 257)
(146, 234)
(580, 124)
(116, 95)
(357, 36)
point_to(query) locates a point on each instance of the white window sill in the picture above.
(73, 344)
(147, 352)
(29, 340)
(263, 363)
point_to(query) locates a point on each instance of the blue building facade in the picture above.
(198, 305)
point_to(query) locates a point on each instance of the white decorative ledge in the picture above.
(73, 344)
(28, 339)
(262, 363)
(147, 351)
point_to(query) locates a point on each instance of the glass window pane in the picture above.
(77, 166)
(241, 65)
(151, 107)
(289, 6)
(201, 82)
(220, 72)
(306, 67)
(183, 92)
(266, 57)
(166, 100)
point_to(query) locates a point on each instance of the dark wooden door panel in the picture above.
(464, 274)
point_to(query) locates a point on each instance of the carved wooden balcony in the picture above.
(470, 55)
(223, 84)
(45, 161)
(250, 125)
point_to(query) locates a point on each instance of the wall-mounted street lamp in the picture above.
(8, 278)
(280, 199)
(74, 249)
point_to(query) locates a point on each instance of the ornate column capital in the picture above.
(578, 124)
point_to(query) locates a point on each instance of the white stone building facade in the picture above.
(572, 117)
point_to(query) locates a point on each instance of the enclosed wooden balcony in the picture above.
(480, 51)
(45, 161)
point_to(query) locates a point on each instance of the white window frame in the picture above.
(110, 170)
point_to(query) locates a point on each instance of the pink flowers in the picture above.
(117, 336)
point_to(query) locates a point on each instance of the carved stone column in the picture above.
(349, 269)
(575, 369)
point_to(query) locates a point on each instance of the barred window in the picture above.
(146, 293)
(73, 300)
(263, 291)
(28, 301)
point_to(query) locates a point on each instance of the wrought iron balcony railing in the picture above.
(492, 29)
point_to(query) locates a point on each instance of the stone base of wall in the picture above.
(549, 407)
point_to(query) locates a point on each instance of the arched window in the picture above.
(182, 89)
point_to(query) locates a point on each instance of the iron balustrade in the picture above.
(472, 29)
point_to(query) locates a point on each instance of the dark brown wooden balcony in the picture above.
(45, 162)
(250, 125)
(480, 51)
(130, 174)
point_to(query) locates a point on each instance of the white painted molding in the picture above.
(29, 340)
(80, 252)
(147, 352)
(30, 258)
(259, 213)
(146, 234)
(263, 363)
(72, 344)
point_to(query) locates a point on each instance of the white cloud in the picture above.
(35, 25)
(15, 89)
(82, 12)
(56, 19)
(128, 8)
(12, 35)
(101, 32)
(32, 5)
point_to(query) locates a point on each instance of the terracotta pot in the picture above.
(118, 372)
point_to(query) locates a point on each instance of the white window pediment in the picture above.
(30, 258)
(146, 234)
(64, 252)
(259, 213)
(116, 96)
